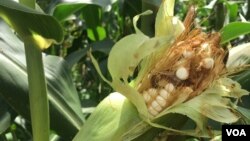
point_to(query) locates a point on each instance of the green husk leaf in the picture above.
(166, 24)
(136, 18)
(112, 117)
(239, 56)
(138, 50)
(210, 104)
(122, 60)
(238, 60)
(127, 54)
(228, 88)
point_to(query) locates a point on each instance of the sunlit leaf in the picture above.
(66, 9)
(122, 59)
(166, 24)
(29, 23)
(233, 11)
(234, 30)
(97, 33)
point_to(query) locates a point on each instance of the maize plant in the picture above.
(180, 70)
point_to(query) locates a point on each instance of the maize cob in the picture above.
(192, 62)
(170, 73)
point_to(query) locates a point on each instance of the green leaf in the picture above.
(97, 33)
(111, 119)
(122, 59)
(234, 30)
(65, 110)
(29, 3)
(92, 15)
(136, 18)
(166, 24)
(44, 28)
(64, 10)
(74, 57)
(233, 11)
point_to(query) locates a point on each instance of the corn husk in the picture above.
(210, 100)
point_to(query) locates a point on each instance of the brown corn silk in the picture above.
(201, 45)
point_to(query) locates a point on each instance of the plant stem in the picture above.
(38, 98)
(37, 92)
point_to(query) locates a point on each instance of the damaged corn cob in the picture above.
(192, 62)
(179, 71)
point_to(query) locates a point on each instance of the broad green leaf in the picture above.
(110, 120)
(44, 29)
(29, 3)
(237, 28)
(66, 9)
(65, 109)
